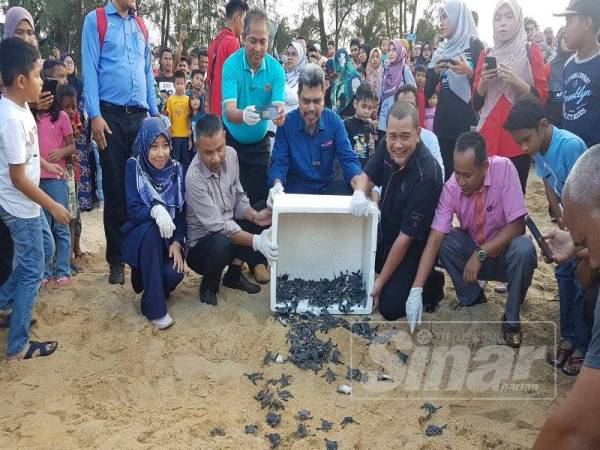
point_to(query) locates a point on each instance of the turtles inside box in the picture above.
(322, 246)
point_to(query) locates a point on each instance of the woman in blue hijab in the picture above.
(155, 232)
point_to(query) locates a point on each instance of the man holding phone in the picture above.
(253, 92)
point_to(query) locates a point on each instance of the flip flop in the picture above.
(574, 364)
(41, 348)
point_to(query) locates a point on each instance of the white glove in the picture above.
(273, 192)
(359, 206)
(262, 243)
(414, 308)
(163, 220)
(250, 116)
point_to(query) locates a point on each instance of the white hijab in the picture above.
(292, 75)
(464, 31)
(512, 53)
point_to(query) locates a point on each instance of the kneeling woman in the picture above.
(154, 233)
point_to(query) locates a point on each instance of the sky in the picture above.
(541, 10)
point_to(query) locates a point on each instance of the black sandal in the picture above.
(42, 347)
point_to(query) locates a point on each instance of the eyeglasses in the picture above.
(309, 101)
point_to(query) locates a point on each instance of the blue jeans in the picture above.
(58, 190)
(33, 247)
(570, 294)
(182, 153)
(99, 191)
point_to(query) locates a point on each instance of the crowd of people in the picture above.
(187, 158)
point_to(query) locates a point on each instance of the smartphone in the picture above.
(267, 112)
(50, 85)
(490, 63)
(535, 232)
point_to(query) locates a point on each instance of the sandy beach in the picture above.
(115, 382)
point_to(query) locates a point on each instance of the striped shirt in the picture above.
(214, 200)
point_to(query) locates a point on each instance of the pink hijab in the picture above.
(373, 74)
(394, 73)
(512, 53)
(14, 16)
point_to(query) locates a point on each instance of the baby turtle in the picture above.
(218, 431)
(356, 375)
(331, 445)
(265, 397)
(344, 389)
(430, 409)
(303, 414)
(254, 377)
(268, 359)
(329, 376)
(251, 429)
(402, 357)
(285, 380)
(285, 395)
(326, 425)
(434, 430)
(276, 405)
(302, 431)
(336, 357)
(381, 376)
(273, 419)
(348, 420)
(274, 439)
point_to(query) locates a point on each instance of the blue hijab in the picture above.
(165, 186)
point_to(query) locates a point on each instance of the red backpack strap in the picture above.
(142, 26)
(101, 24)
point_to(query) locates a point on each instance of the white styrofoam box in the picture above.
(319, 238)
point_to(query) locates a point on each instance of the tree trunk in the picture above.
(322, 26)
(163, 19)
(414, 16)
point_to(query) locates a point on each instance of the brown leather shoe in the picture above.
(512, 334)
(261, 274)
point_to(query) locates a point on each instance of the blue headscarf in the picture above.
(165, 186)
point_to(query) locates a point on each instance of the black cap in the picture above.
(589, 8)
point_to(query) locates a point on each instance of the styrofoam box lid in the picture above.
(319, 238)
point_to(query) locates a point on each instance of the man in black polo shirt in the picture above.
(411, 182)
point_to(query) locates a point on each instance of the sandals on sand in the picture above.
(38, 349)
(573, 364)
(558, 356)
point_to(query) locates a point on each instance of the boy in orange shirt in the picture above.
(178, 110)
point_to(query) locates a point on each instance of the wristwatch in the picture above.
(481, 254)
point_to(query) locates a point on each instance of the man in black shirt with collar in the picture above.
(411, 182)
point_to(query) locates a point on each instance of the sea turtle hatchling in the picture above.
(402, 357)
(302, 431)
(251, 429)
(331, 445)
(326, 425)
(434, 430)
(285, 380)
(218, 431)
(430, 409)
(273, 419)
(285, 395)
(274, 439)
(336, 357)
(303, 414)
(254, 377)
(348, 420)
(329, 376)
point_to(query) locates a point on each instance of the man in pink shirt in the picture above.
(485, 194)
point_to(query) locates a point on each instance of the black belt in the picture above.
(122, 109)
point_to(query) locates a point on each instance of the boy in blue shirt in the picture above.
(555, 152)
(21, 196)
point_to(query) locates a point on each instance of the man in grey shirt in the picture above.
(575, 423)
(223, 230)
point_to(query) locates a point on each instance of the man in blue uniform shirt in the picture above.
(307, 145)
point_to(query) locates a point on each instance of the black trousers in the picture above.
(254, 160)
(214, 252)
(124, 127)
(522, 164)
(6, 253)
(447, 149)
(392, 300)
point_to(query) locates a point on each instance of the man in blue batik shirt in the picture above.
(119, 94)
(308, 143)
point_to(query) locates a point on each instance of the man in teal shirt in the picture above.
(252, 80)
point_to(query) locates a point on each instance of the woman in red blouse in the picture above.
(519, 71)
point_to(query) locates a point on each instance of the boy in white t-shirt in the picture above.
(21, 197)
